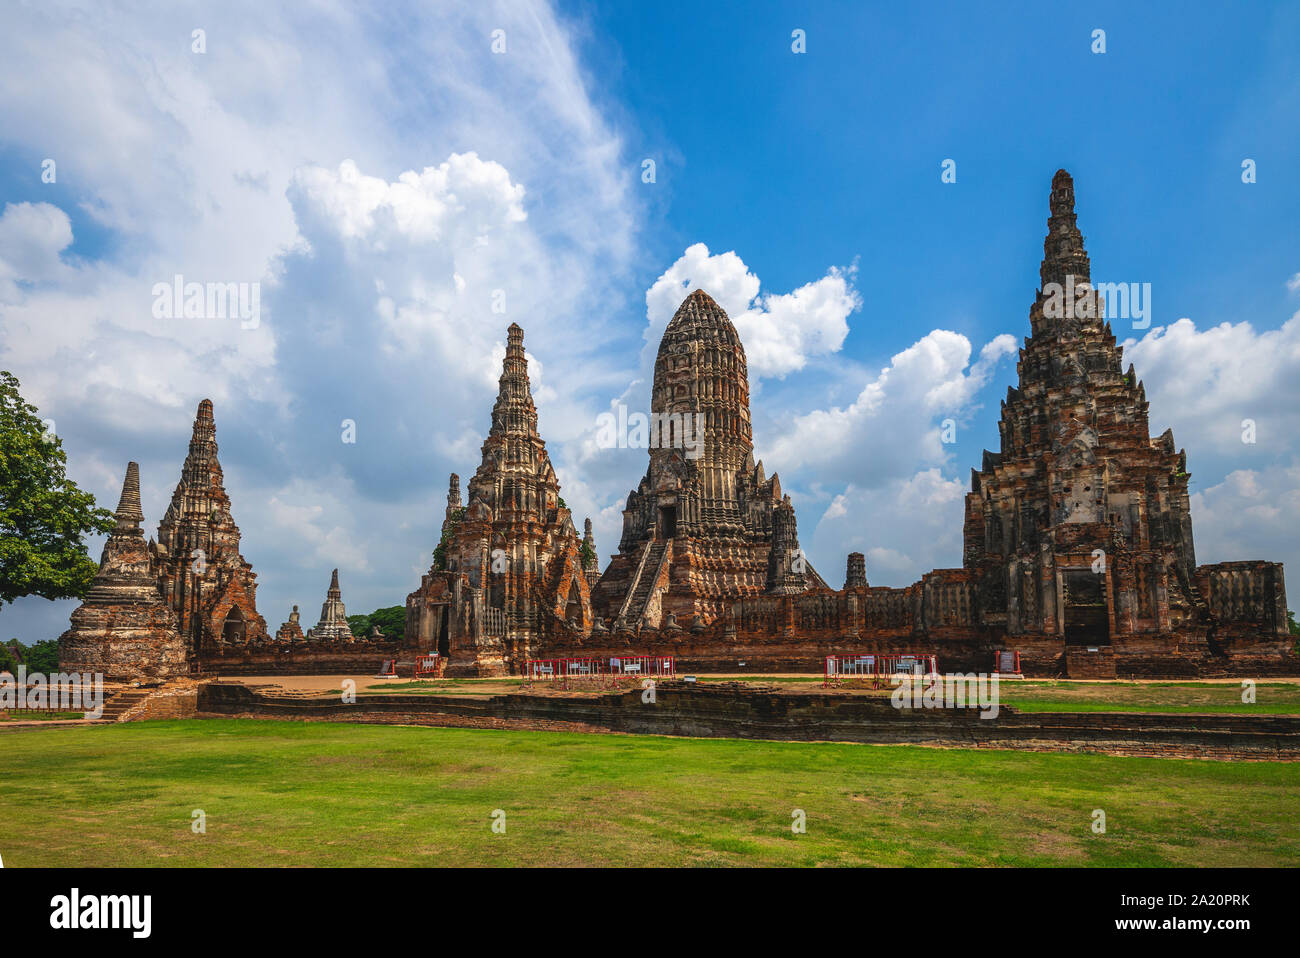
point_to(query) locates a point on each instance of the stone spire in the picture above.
(333, 624)
(124, 628)
(514, 413)
(129, 514)
(202, 574)
(125, 570)
(449, 517)
(702, 527)
(1063, 252)
(855, 576)
(513, 557)
(589, 545)
(702, 352)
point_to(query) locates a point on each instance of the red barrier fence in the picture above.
(878, 666)
(428, 665)
(617, 666)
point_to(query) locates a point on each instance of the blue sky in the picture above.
(802, 190)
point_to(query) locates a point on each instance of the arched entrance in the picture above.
(233, 630)
(573, 609)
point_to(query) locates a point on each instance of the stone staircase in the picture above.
(647, 576)
(117, 708)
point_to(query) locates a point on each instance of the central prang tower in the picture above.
(705, 526)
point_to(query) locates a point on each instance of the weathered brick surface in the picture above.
(806, 715)
(202, 574)
(124, 630)
(706, 525)
(513, 557)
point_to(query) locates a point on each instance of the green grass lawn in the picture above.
(1271, 698)
(24, 715)
(287, 793)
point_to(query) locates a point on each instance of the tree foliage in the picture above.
(43, 515)
(40, 657)
(391, 622)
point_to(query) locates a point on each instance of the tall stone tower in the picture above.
(512, 556)
(333, 625)
(202, 575)
(705, 526)
(1079, 526)
(124, 629)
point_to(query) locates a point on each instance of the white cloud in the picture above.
(894, 425)
(314, 516)
(905, 527)
(381, 196)
(32, 235)
(781, 332)
(1203, 383)
(1251, 514)
(464, 193)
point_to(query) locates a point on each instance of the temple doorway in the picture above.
(1087, 615)
(667, 522)
(573, 610)
(232, 632)
(442, 643)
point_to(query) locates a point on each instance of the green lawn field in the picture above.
(287, 793)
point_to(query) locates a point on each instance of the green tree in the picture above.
(43, 656)
(43, 515)
(391, 621)
(359, 624)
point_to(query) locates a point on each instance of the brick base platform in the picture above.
(737, 711)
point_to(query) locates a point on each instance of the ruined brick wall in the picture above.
(810, 715)
(303, 658)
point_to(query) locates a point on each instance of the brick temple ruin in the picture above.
(202, 574)
(701, 531)
(1078, 549)
(509, 571)
(124, 629)
(1077, 535)
(187, 603)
